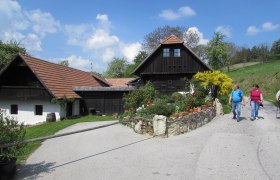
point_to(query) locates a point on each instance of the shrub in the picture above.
(159, 107)
(139, 96)
(210, 79)
(176, 96)
(10, 131)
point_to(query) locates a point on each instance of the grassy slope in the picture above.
(240, 65)
(47, 129)
(266, 75)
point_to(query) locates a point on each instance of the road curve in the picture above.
(222, 149)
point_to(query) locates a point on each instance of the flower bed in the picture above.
(173, 126)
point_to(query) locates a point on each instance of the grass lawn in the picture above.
(266, 75)
(47, 129)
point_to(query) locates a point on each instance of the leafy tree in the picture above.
(154, 38)
(8, 51)
(212, 79)
(137, 60)
(275, 49)
(64, 63)
(217, 51)
(116, 68)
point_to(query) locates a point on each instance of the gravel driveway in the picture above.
(222, 149)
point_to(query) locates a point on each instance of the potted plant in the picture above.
(10, 131)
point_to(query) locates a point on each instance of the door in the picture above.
(69, 109)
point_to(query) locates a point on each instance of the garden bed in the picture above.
(173, 126)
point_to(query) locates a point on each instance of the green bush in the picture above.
(159, 107)
(139, 97)
(10, 131)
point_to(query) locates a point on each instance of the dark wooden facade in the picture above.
(18, 82)
(168, 74)
(102, 101)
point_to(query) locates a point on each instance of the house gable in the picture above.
(171, 57)
(18, 81)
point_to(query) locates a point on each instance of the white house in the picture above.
(30, 88)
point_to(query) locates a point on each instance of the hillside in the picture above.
(266, 75)
(240, 65)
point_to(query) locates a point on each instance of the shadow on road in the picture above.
(33, 171)
(110, 150)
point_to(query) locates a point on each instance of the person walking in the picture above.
(255, 99)
(278, 96)
(235, 100)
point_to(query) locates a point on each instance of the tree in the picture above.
(8, 52)
(137, 60)
(64, 63)
(116, 68)
(264, 52)
(154, 38)
(201, 52)
(191, 38)
(275, 49)
(217, 51)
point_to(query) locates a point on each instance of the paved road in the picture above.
(222, 149)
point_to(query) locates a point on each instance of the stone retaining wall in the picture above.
(190, 122)
(173, 126)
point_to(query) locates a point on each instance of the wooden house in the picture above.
(168, 66)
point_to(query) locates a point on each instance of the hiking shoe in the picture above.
(257, 118)
(234, 117)
(252, 118)
(238, 119)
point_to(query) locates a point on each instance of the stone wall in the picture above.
(173, 127)
(189, 122)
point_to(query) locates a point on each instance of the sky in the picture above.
(90, 33)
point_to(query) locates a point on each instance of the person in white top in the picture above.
(278, 96)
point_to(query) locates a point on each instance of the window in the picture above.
(14, 109)
(177, 53)
(38, 110)
(166, 52)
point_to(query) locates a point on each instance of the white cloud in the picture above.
(268, 26)
(32, 42)
(78, 34)
(252, 30)
(98, 40)
(170, 14)
(102, 17)
(101, 39)
(202, 40)
(131, 50)
(226, 30)
(42, 22)
(27, 27)
(108, 54)
(79, 62)
(187, 11)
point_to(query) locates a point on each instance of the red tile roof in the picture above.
(59, 80)
(172, 40)
(119, 82)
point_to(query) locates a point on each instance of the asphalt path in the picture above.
(222, 149)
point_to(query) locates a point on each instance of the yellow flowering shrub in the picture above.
(215, 78)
